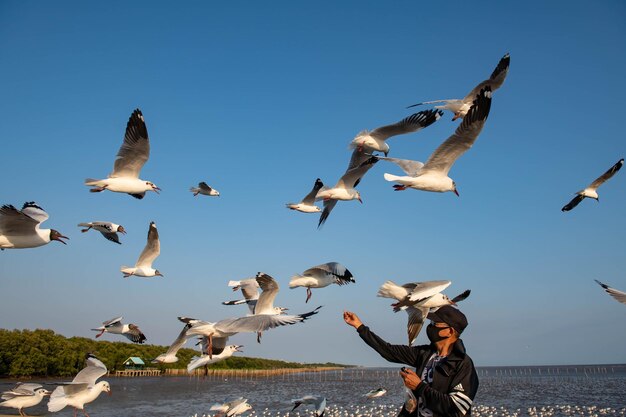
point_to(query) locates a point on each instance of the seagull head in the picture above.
(121, 229)
(153, 187)
(56, 235)
(106, 387)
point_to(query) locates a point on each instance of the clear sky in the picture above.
(259, 99)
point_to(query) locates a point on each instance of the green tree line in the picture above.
(43, 353)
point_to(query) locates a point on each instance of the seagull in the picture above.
(131, 157)
(143, 267)
(82, 390)
(375, 393)
(115, 326)
(265, 303)
(232, 408)
(618, 295)
(376, 139)
(321, 276)
(204, 189)
(360, 163)
(198, 361)
(419, 299)
(179, 342)
(433, 175)
(307, 204)
(249, 288)
(23, 396)
(19, 229)
(109, 230)
(590, 191)
(317, 401)
(461, 107)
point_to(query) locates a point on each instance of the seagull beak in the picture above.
(238, 348)
(59, 237)
(156, 189)
(456, 192)
(360, 201)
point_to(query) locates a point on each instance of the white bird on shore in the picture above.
(321, 276)
(232, 408)
(461, 107)
(170, 355)
(82, 390)
(345, 189)
(376, 139)
(591, 190)
(618, 295)
(375, 393)
(307, 205)
(198, 361)
(23, 396)
(204, 189)
(109, 230)
(317, 401)
(433, 175)
(418, 299)
(143, 267)
(19, 229)
(131, 157)
(115, 326)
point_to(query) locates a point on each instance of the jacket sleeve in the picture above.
(393, 353)
(458, 401)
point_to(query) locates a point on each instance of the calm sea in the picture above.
(603, 386)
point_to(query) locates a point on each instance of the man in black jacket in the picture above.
(445, 381)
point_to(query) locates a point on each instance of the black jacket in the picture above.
(455, 381)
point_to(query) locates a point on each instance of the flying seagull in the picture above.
(22, 396)
(109, 230)
(307, 205)
(321, 276)
(179, 342)
(131, 157)
(376, 139)
(143, 267)
(115, 326)
(461, 107)
(618, 295)
(204, 189)
(345, 189)
(82, 390)
(590, 191)
(249, 288)
(231, 408)
(433, 175)
(375, 393)
(206, 359)
(317, 401)
(19, 229)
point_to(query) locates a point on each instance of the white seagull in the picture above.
(317, 401)
(170, 355)
(232, 408)
(115, 326)
(249, 288)
(19, 229)
(419, 299)
(461, 107)
(143, 267)
(23, 396)
(345, 189)
(375, 393)
(591, 190)
(321, 276)
(307, 205)
(204, 189)
(618, 295)
(205, 359)
(82, 390)
(109, 230)
(433, 175)
(376, 139)
(131, 157)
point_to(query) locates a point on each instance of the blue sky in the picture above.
(258, 100)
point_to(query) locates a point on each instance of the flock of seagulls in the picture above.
(21, 229)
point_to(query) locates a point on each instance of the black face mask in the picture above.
(433, 333)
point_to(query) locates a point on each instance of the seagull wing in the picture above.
(179, 342)
(464, 137)
(260, 322)
(134, 334)
(269, 288)
(412, 168)
(310, 197)
(424, 290)
(152, 249)
(111, 322)
(329, 205)
(14, 222)
(608, 174)
(204, 186)
(409, 124)
(495, 81)
(112, 236)
(135, 149)
(32, 210)
(341, 274)
(461, 296)
(416, 321)
(352, 176)
(573, 203)
(88, 375)
(618, 295)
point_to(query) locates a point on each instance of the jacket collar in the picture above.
(451, 361)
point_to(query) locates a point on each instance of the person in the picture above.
(444, 381)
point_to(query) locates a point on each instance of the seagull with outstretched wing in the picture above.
(591, 190)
